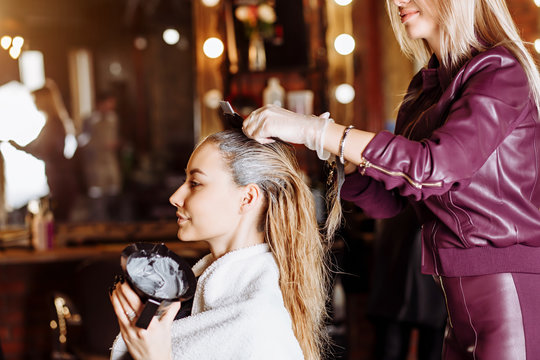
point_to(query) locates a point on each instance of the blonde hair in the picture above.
(291, 230)
(466, 25)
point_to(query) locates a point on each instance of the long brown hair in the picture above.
(291, 230)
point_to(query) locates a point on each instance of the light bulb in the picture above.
(344, 93)
(5, 42)
(210, 3)
(18, 42)
(213, 47)
(14, 52)
(537, 45)
(171, 36)
(347, 2)
(344, 44)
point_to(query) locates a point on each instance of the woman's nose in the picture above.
(177, 198)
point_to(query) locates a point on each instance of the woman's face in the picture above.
(419, 19)
(208, 203)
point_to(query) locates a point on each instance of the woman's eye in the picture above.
(194, 184)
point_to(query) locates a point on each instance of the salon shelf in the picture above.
(81, 241)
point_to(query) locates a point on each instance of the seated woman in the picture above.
(261, 292)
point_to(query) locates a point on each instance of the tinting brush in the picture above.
(232, 119)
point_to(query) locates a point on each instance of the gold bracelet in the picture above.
(342, 142)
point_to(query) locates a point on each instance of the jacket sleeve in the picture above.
(371, 196)
(492, 98)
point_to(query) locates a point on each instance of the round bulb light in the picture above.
(344, 94)
(537, 2)
(210, 3)
(140, 43)
(213, 47)
(14, 52)
(5, 42)
(18, 42)
(344, 44)
(171, 36)
(347, 2)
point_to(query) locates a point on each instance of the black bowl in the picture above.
(158, 276)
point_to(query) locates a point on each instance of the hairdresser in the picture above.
(466, 153)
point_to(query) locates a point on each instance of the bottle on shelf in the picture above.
(41, 223)
(274, 93)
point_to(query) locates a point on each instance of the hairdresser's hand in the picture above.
(143, 344)
(272, 121)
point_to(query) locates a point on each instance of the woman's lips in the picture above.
(181, 219)
(406, 15)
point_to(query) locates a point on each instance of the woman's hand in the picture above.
(143, 344)
(272, 121)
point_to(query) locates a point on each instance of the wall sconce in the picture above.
(213, 47)
(344, 44)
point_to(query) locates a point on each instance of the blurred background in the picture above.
(101, 103)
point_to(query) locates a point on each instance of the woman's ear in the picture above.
(251, 198)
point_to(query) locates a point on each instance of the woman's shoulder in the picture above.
(494, 71)
(241, 273)
(498, 59)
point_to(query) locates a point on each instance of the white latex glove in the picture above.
(272, 121)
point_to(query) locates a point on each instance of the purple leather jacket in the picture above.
(469, 160)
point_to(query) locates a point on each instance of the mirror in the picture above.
(110, 54)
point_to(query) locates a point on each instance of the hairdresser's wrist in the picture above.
(349, 168)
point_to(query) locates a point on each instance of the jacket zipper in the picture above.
(364, 164)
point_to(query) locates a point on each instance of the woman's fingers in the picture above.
(258, 125)
(126, 302)
(170, 312)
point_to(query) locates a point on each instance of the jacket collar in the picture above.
(435, 75)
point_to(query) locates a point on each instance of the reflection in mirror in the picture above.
(129, 116)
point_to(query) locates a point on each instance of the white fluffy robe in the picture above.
(238, 312)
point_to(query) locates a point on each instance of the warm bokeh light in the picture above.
(32, 69)
(537, 2)
(344, 44)
(14, 52)
(20, 121)
(171, 36)
(212, 98)
(18, 42)
(537, 45)
(213, 47)
(210, 3)
(5, 42)
(344, 93)
(343, 2)
(140, 43)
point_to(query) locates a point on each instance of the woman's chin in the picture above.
(183, 236)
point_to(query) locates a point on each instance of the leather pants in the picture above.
(492, 317)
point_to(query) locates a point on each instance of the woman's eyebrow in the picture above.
(196, 171)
